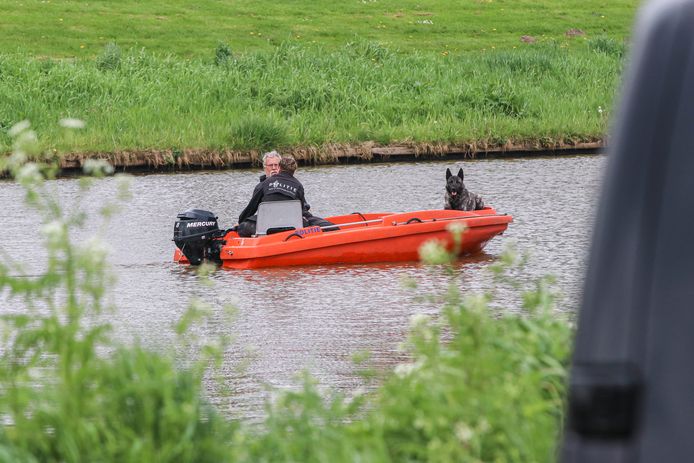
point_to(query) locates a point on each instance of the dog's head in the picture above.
(454, 183)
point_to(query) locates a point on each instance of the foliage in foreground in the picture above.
(68, 393)
(479, 387)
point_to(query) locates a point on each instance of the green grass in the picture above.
(308, 96)
(249, 75)
(59, 28)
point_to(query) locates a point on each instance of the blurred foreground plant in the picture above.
(67, 392)
(479, 386)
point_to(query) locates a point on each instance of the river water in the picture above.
(317, 318)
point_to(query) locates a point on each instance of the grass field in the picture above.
(244, 76)
(59, 28)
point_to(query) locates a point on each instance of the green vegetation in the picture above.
(305, 96)
(478, 388)
(73, 28)
(213, 76)
(480, 385)
(63, 398)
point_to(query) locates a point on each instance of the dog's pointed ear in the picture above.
(460, 173)
(448, 174)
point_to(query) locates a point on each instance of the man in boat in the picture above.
(271, 165)
(281, 186)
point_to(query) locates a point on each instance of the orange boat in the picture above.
(361, 238)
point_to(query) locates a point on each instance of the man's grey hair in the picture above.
(271, 154)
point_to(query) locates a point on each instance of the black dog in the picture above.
(457, 196)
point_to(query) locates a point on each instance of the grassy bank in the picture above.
(214, 77)
(297, 95)
(73, 28)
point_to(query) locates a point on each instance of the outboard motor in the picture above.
(195, 233)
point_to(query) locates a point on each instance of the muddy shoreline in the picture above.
(143, 161)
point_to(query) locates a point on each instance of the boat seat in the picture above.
(279, 216)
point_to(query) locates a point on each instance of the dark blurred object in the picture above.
(631, 395)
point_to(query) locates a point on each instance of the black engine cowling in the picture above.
(196, 234)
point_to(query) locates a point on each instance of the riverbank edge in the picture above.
(171, 160)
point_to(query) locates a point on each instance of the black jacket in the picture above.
(279, 187)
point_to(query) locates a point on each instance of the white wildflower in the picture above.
(95, 251)
(54, 232)
(97, 167)
(26, 140)
(404, 370)
(18, 158)
(28, 174)
(419, 320)
(72, 123)
(26, 143)
(457, 228)
(18, 128)
(464, 432)
(434, 252)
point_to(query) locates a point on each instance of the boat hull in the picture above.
(363, 238)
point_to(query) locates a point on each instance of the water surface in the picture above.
(317, 318)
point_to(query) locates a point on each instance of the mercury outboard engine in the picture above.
(195, 233)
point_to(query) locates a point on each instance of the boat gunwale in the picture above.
(282, 243)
